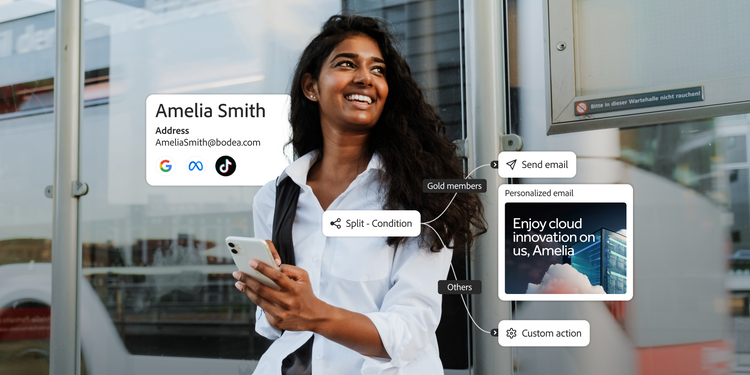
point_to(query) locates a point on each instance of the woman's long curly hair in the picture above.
(409, 136)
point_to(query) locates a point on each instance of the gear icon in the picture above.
(511, 333)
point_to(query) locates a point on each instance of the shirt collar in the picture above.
(298, 170)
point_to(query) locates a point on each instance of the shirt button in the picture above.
(318, 356)
(315, 258)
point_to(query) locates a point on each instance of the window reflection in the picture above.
(154, 256)
(709, 157)
(26, 161)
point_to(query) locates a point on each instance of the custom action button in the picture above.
(544, 333)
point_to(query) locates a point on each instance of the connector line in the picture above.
(454, 195)
(443, 243)
(466, 306)
(441, 214)
(456, 277)
(475, 169)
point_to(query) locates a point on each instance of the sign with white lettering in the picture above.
(651, 99)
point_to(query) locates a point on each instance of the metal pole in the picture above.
(64, 341)
(485, 100)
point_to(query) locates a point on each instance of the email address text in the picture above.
(211, 142)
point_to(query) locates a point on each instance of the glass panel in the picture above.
(720, 208)
(689, 313)
(159, 282)
(642, 44)
(27, 67)
(685, 206)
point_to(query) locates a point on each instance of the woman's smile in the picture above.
(359, 99)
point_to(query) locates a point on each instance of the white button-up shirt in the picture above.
(396, 289)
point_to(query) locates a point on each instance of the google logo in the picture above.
(166, 163)
(164, 166)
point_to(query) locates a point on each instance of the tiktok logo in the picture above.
(225, 166)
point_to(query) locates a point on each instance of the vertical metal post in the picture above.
(64, 341)
(485, 100)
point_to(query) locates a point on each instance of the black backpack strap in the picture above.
(298, 362)
(287, 196)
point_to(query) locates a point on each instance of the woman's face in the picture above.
(351, 89)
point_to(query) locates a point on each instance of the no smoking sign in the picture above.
(581, 108)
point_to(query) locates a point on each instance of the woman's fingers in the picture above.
(272, 273)
(255, 289)
(294, 272)
(274, 252)
(257, 299)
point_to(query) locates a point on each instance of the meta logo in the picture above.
(225, 166)
(195, 166)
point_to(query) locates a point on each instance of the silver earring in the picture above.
(312, 96)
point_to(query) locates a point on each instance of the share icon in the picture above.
(512, 164)
(336, 224)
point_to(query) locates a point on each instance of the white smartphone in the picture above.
(244, 249)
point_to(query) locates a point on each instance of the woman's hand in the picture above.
(294, 306)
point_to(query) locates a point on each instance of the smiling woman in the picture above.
(355, 60)
(365, 138)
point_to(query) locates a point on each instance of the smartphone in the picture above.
(244, 249)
